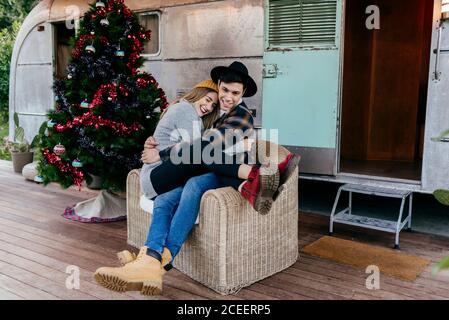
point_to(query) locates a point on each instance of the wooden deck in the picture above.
(37, 245)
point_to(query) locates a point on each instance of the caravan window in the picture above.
(151, 21)
(298, 23)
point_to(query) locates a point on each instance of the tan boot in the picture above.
(126, 257)
(144, 274)
(166, 260)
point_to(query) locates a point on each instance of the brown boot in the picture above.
(126, 257)
(260, 187)
(144, 274)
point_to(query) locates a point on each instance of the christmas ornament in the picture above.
(56, 98)
(69, 76)
(84, 104)
(100, 4)
(59, 149)
(77, 163)
(38, 179)
(104, 22)
(50, 124)
(109, 98)
(90, 48)
(120, 53)
(80, 45)
(92, 32)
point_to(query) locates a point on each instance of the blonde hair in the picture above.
(193, 96)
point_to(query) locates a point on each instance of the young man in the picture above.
(175, 212)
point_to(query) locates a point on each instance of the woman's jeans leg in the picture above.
(164, 208)
(188, 209)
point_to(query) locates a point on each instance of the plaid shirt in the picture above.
(239, 118)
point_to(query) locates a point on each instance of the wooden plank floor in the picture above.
(37, 245)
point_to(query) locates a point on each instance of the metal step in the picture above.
(346, 217)
(377, 191)
(361, 221)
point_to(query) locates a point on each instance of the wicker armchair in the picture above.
(233, 246)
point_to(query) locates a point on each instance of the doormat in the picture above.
(390, 262)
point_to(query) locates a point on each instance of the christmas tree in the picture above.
(105, 108)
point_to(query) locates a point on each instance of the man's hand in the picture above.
(151, 143)
(150, 156)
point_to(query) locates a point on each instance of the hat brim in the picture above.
(251, 86)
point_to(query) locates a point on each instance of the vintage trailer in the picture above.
(358, 88)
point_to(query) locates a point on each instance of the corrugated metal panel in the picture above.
(300, 22)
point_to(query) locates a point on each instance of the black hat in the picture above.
(240, 69)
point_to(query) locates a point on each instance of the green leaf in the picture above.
(443, 264)
(42, 128)
(35, 141)
(19, 134)
(443, 135)
(442, 196)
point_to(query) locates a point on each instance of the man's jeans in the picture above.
(175, 213)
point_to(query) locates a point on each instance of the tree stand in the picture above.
(106, 207)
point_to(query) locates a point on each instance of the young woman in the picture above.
(183, 121)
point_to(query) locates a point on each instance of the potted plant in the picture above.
(443, 197)
(21, 151)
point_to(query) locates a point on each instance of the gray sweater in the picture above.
(180, 123)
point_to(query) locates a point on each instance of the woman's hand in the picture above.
(151, 143)
(150, 156)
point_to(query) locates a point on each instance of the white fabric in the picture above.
(147, 205)
(29, 171)
(105, 206)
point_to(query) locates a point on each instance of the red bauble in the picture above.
(59, 149)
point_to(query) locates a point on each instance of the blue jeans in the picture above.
(175, 213)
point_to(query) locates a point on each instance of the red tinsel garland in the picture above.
(111, 89)
(90, 120)
(77, 175)
(79, 46)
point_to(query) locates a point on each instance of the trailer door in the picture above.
(302, 78)
(436, 150)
